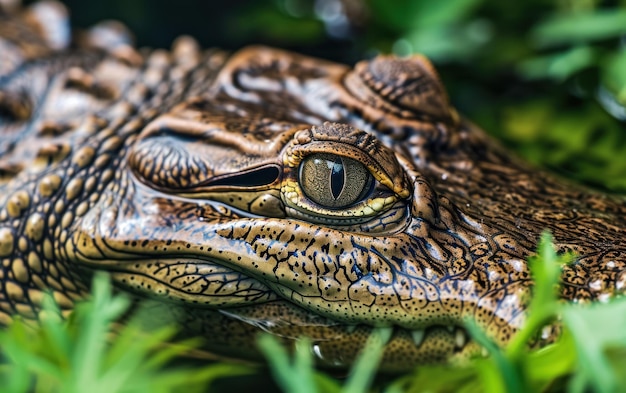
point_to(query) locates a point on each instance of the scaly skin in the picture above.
(184, 175)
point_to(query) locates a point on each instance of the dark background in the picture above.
(225, 24)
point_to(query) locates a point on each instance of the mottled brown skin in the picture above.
(181, 174)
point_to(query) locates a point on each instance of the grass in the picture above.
(81, 354)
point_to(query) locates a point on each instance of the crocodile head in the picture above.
(268, 191)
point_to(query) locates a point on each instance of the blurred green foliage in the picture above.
(548, 77)
(86, 353)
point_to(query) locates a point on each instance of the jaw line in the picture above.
(259, 252)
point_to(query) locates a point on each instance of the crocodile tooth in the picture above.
(459, 338)
(350, 328)
(418, 336)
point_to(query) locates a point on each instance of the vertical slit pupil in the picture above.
(337, 177)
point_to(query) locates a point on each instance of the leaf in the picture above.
(403, 15)
(440, 378)
(577, 28)
(613, 74)
(364, 369)
(291, 377)
(545, 268)
(447, 43)
(498, 372)
(82, 354)
(549, 363)
(558, 66)
(595, 329)
(297, 374)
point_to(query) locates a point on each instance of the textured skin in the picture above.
(178, 173)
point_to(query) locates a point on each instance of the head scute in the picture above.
(409, 86)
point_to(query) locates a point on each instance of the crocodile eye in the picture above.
(334, 181)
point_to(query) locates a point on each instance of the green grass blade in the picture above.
(364, 369)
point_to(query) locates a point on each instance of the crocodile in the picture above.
(267, 191)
